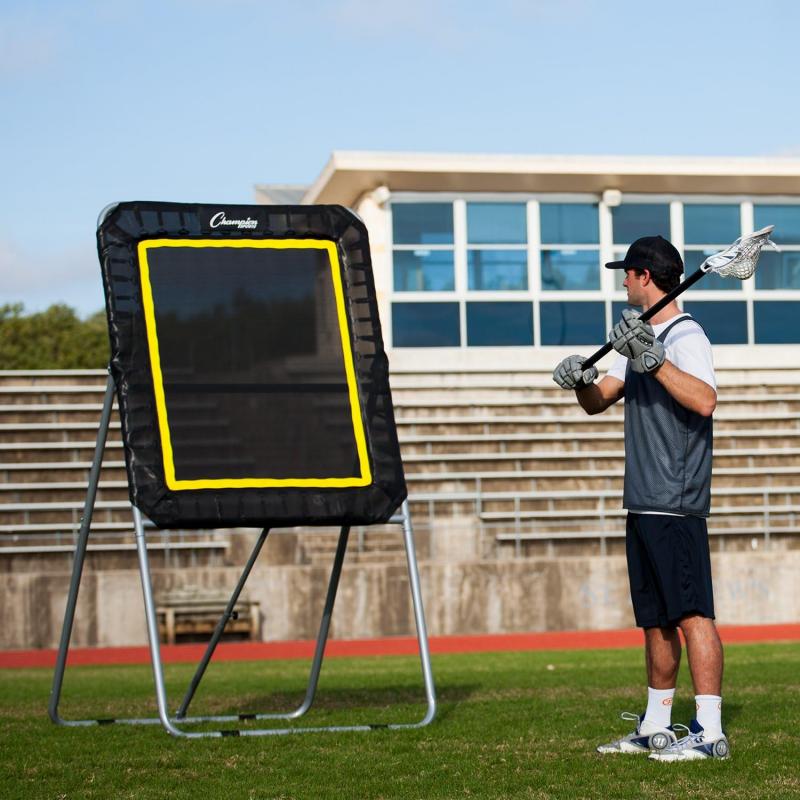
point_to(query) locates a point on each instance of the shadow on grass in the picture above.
(338, 699)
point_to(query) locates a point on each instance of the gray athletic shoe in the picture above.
(696, 745)
(647, 738)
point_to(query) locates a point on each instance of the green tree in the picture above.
(53, 339)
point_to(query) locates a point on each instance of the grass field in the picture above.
(510, 725)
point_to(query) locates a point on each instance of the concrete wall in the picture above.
(463, 597)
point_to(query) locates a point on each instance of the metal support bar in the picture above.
(220, 628)
(80, 557)
(324, 628)
(163, 718)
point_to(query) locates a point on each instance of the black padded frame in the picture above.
(122, 228)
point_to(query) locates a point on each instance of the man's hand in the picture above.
(636, 340)
(570, 374)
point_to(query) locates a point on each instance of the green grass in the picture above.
(509, 725)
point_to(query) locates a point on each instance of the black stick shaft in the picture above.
(651, 312)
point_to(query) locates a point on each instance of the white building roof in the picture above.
(350, 174)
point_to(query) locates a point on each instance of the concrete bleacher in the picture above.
(504, 452)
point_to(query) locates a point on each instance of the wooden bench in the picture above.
(192, 614)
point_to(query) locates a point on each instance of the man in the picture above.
(665, 372)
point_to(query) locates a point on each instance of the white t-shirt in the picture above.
(688, 348)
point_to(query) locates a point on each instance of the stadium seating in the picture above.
(505, 454)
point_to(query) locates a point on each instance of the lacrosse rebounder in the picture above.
(253, 389)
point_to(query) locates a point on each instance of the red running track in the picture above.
(396, 646)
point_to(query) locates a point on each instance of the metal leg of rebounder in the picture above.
(152, 625)
(316, 663)
(158, 674)
(220, 628)
(419, 618)
(79, 559)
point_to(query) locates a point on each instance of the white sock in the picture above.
(659, 706)
(709, 714)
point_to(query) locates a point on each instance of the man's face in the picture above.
(633, 283)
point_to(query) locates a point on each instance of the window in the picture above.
(422, 223)
(631, 221)
(423, 238)
(573, 323)
(462, 270)
(425, 325)
(495, 261)
(724, 322)
(569, 223)
(786, 220)
(779, 270)
(708, 223)
(423, 271)
(570, 269)
(496, 223)
(776, 322)
(499, 324)
(497, 270)
(707, 229)
(570, 254)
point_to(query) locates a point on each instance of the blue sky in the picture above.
(198, 100)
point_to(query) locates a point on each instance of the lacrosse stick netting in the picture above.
(740, 259)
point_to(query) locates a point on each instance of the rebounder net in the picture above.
(249, 365)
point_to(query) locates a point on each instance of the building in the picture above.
(500, 257)
(489, 271)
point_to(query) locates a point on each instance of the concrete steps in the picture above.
(491, 447)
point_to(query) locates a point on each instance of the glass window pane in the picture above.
(573, 323)
(786, 220)
(496, 223)
(497, 270)
(692, 259)
(499, 324)
(425, 325)
(423, 271)
(422, 223)
(569, 223)
(776, 321)
(570, 269)
(710, 224)
(633, 220)
(724, 322)
(778, 270)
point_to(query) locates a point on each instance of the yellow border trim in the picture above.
(364, 479)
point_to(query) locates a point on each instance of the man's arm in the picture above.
(690, 392)
(597, 397)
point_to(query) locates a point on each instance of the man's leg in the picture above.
(662, 648)
(704, 650)
(706, 738)
(662, 657)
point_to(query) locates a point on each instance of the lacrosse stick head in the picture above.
(741, 258)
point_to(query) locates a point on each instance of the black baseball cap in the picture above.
(654, 253)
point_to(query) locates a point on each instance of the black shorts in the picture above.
(669, 568)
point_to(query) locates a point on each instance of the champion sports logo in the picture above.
(220, 220)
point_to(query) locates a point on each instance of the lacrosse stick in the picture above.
(737, 261)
